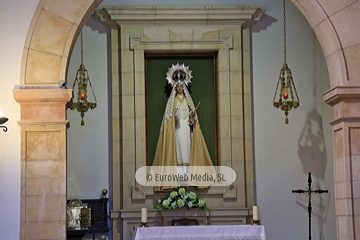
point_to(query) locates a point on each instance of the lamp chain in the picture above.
(286, 82)
(81, 42)
(93, 92)
(284, 31)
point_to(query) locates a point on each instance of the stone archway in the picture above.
(52, 33)
(48, 45)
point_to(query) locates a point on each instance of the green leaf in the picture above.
(207, 209)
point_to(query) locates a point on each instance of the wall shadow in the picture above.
(263, 24)
(311, 146)
(312, 154)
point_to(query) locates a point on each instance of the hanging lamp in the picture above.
(285, 88)
(82, 80)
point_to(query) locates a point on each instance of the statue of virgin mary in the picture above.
(181, 142)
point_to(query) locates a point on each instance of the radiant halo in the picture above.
(180, 68)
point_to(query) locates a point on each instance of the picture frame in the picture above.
(78, 215)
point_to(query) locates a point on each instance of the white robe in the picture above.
(179, 142)
(182, 132)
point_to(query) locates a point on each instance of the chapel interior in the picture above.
(235, 50)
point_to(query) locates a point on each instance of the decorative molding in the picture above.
(42, 95)
(227, 41)
(114, 214)
(137, 42)
(105, 18)
(342, 94)
(182, 212)
(43, 123)
(42, 105)
(183, 16)
(228, 192)
(255, 17)
(138, 192)
(38, 86)
(345, 101)
(344, 119)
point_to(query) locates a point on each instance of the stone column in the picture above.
(116, 92)
(43, 162)
(345, 102)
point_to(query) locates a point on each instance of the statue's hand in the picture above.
(192, 114)
(191, 117)
(177, 118)
(177, 114)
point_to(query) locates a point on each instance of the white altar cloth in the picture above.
(202, 232)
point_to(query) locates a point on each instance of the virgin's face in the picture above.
(179, 88)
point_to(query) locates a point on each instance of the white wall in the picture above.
(15, 17)
(284, 154)
(88, 149)
(88, 146)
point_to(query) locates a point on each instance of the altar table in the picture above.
(202, 232)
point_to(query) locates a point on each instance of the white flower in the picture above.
(165, 203)
(173, 194)
(182, 191)
(201, 203)
(180, 203)
(192, 195)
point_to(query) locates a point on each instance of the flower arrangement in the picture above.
(181, 198)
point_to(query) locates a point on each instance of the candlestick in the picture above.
(256, 222)
(255, 213)
(143, 225)
(144, 215)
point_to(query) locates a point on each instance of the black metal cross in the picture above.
(309, 191)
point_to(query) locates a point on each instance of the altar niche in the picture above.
(202, 89)
(222, 31)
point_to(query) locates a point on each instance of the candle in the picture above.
(144, 215)
(255, 213)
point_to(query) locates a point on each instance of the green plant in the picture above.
(181, 197)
